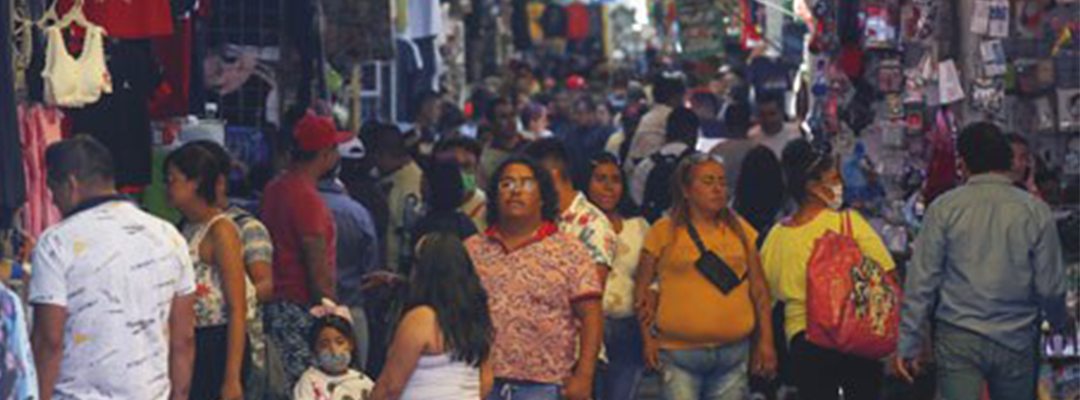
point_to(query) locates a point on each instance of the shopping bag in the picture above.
(852, 303)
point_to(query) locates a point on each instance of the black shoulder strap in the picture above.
(696, 238)
(704, 250)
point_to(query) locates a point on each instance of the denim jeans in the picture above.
(966, 361)
(626, 364)
(714, 373)
(516, 390)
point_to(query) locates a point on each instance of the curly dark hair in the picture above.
(549, 198)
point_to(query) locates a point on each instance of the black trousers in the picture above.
(819, 373)
(211, 353)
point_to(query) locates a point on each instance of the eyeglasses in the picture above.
(511, 185)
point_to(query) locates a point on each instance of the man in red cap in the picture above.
(302, 229)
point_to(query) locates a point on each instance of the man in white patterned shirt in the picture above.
(113, 290)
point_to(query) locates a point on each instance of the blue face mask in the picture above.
(334, 363)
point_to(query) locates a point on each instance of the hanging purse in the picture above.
(715, 270)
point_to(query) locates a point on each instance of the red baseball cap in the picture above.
(314, 133)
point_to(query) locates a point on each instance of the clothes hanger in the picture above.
(75, 15)
(49, 15)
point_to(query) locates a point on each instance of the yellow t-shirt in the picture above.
(692, 312)
(787, 252)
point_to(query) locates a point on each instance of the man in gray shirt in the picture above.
(987, 272)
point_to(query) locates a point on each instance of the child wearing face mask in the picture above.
(333, 377)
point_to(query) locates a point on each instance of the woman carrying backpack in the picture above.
(815, 185)
(703, 331)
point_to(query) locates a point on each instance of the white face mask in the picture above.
(837, 199)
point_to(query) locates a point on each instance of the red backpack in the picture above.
(852, 303)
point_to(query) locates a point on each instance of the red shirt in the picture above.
(577, 21)
(130, 19)
(292, 209)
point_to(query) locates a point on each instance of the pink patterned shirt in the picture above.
(531, 294)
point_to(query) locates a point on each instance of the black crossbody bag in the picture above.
(718, 272)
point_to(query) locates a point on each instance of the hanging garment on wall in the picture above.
(121, 120)
(75, 82)
(127, 19)
(356, 31)
(12, 189)
(410, 67)
(577, 21)
(536, 27)
(175, 55)
(554, 21)
(941, 170)
(425, 19)
(519, 25)
(39, 127)
(432, 65)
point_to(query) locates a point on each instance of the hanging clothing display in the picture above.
(519, 24)
(357, 31)
(410, 65)
(127, 19)
(39, 127)
(577, 21)
(12, 190)
(535, 14)
(424, 19)
(75, 82)
(554, 21)
(121, 120)
(170, 99)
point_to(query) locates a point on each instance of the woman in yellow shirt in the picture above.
(696, 333)
(814, 183)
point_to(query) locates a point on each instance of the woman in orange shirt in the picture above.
(700, 330)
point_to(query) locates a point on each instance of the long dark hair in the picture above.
(759, 194)
(549, 198)
(444, 279)
(445, 188)
(626, 207)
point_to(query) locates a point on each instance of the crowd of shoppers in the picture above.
(562, 251)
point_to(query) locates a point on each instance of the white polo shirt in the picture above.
(116, 269)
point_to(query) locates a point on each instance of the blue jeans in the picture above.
(626, 363)
(966, 361)
(714, 373)
(517, 390)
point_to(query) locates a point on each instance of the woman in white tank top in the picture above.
(442, 346)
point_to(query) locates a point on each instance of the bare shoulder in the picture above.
(422, 322)
(420, 325)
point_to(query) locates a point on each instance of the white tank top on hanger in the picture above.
(75, 82)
